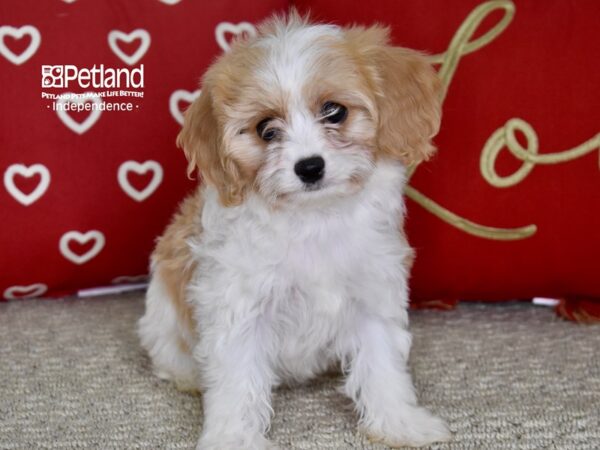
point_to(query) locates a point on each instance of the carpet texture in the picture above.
(506, 376)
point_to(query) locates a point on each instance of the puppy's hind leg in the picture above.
(165, 332)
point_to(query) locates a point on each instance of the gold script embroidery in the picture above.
(460, 46)
(505, 137)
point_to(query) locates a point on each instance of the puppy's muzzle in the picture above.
(310, 170)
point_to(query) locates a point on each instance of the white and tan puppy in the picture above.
(290, 257)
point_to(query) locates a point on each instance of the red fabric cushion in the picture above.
(78, 155)
(541, 68)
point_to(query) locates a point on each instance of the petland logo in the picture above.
(61, 76)
(105, 88)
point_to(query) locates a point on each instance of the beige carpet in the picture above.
(504, 376)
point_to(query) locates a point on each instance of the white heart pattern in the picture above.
(18, 33)
(235, 29)
(181, 95)
(134, 166)
(140, 33)
(73, 125)
(31, 291)
(82, 238)
(20, 169)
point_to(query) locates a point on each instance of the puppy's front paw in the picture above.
(235, 442)
(412, 426)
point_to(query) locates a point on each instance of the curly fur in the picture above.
(259, 280)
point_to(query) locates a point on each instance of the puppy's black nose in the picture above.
(310, 170)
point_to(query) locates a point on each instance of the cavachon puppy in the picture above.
(291, 258)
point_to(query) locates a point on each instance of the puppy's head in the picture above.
(301, 112)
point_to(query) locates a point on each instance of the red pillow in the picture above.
(489, 222)
(85, 193)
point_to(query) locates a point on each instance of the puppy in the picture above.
(290, 257)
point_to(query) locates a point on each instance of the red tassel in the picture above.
(440, 303)
(579, 310)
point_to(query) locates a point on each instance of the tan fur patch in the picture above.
(174, 259)
(408, 94)
(213, 125)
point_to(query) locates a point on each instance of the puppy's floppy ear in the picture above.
(407, 93)
(204, 146)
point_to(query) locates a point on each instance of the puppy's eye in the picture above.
(264, 133)
(333, 112)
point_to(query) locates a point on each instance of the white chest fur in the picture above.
(305, 271)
